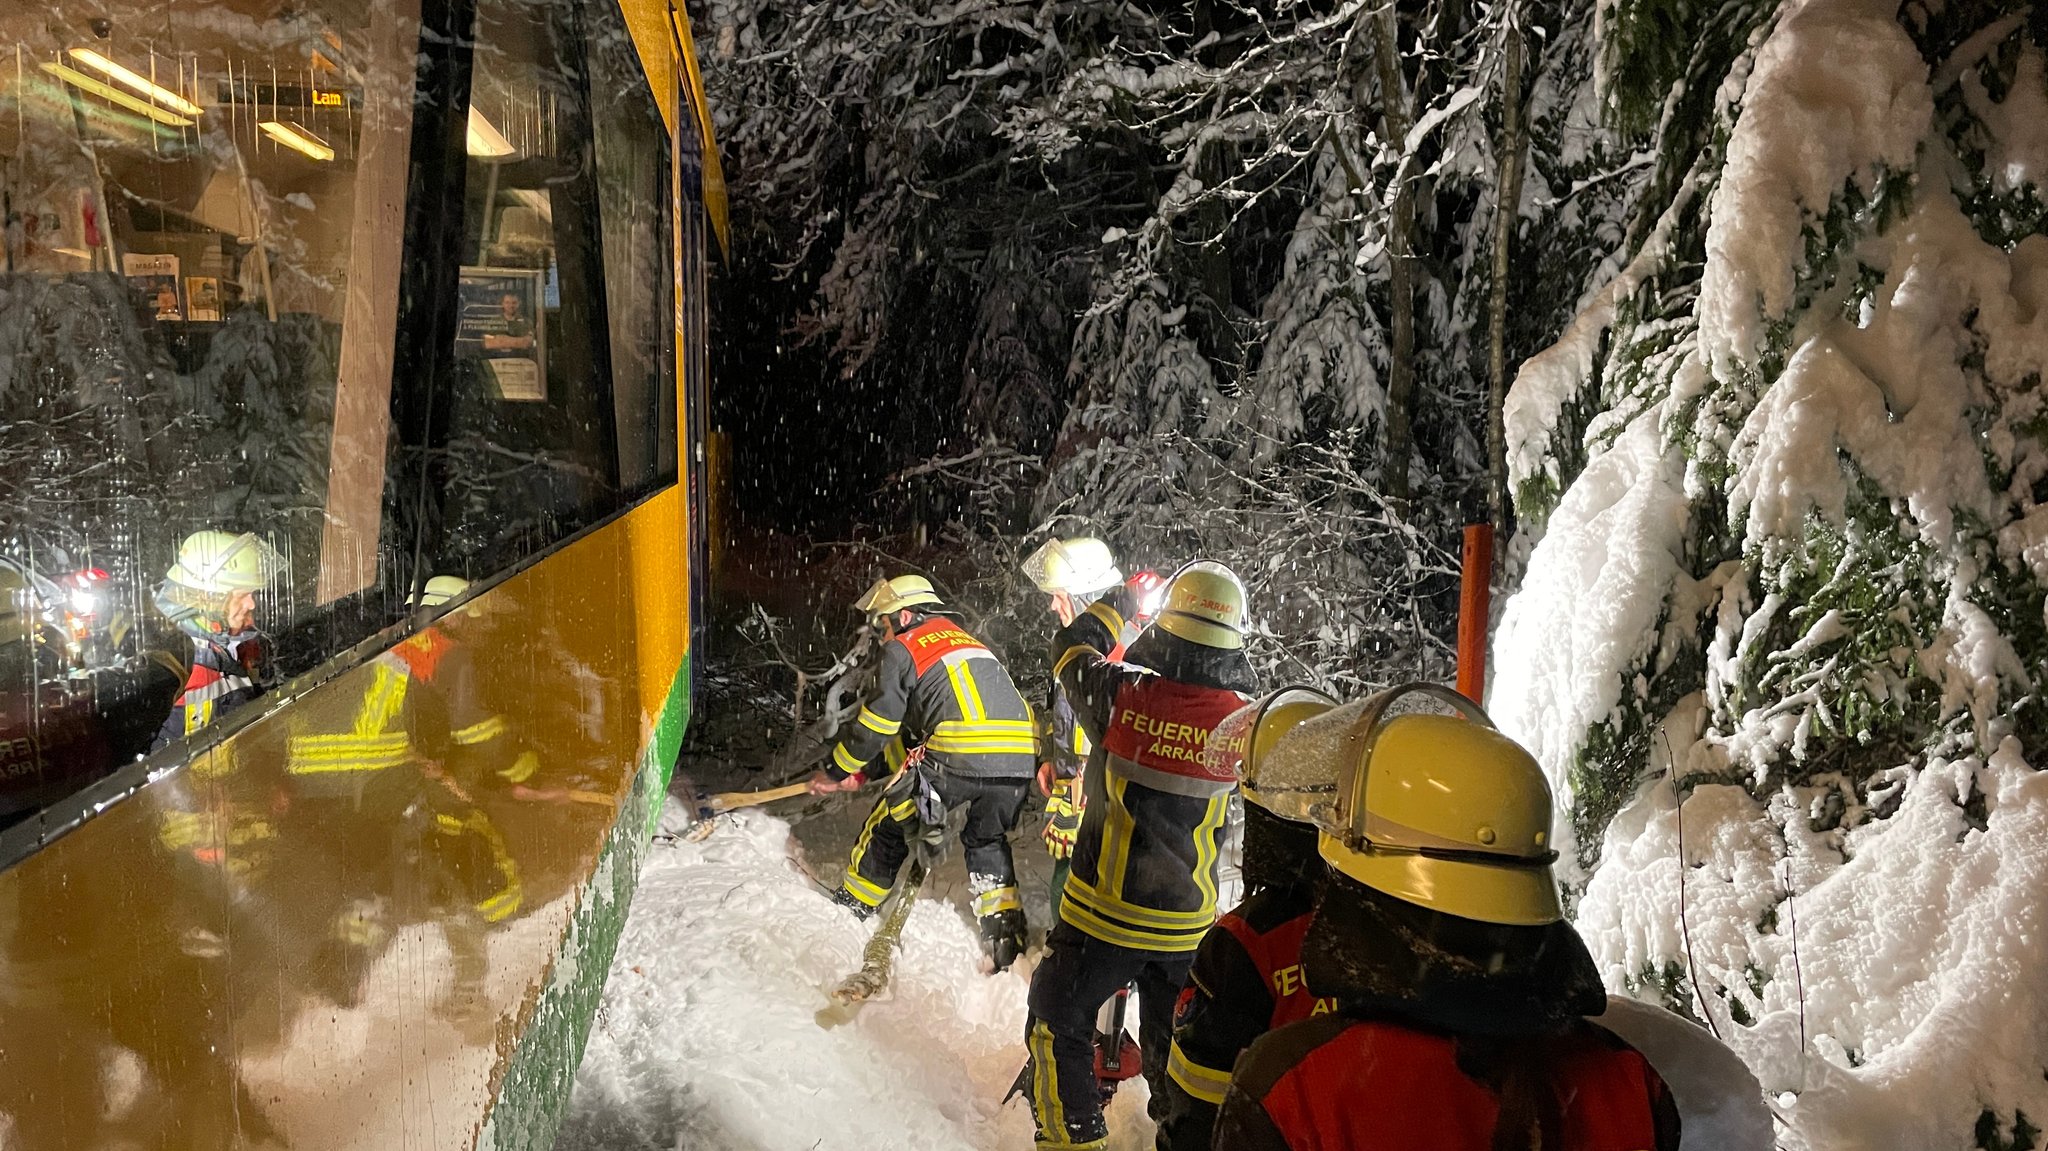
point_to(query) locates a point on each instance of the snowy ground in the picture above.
(710, 1036)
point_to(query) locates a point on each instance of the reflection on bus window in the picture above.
(197, 308)
(633, 199)
(560, 404)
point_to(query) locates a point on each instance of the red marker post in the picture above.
(1475, 600)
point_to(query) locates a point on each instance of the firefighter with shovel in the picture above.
(947, 714)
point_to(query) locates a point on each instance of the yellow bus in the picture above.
(352, 513)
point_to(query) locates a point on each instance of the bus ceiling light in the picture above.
(484, 138)
(86, 83)
(297, 138)
(130, 79)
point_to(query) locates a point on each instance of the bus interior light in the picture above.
(297, 138)
(108, 92)
(484, 138)
(133, 80)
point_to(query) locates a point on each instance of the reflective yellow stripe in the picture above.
(183, 829)
(982, 747)
(1206, 845)
(861, 888)
(965, 693)
(449, 824)
(1101, 610)
(1045, 1085)
(502, 904)
(366, 746)
(979, 711)
(1059, 666)
(522, 769)
(1204, 1083)
(483, 732)
(320, 754)
(1117, 827)
(382, 702)
(844, 760)
(984, 737)
(1197, 920)
(866, 892)
(879, 725)
(1000, 899)
(1090, 923)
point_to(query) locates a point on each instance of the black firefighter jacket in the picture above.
(1144, 865)
(943, 690)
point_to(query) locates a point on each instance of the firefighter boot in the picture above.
(851, 902)
(1002, 938)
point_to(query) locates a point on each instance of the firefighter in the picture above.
(1142, 890)
(404, 764)
(948, 714)
(1074, 573)
(1462, 991)
(210, 594)
(1247, 978)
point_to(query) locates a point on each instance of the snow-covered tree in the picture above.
(1781, 639)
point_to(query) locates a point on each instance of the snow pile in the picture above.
(1837, 91)
(710, 1034)
(1920, 986)
(1577, 616)
(1798, 580)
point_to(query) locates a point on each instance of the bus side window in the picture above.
(525, 451)
(634, 206)
(205, 236)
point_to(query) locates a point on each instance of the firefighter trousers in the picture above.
(1077, 976)
(993, 808)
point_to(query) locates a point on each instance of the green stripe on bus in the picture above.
(533, 1096)
(669, 728)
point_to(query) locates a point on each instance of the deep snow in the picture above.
(709, 1036)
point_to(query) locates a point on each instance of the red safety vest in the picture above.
(1379, 1086)
(1277, 955)
(937, 638)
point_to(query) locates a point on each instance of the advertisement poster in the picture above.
(503, 323)
(202, 297)
(156, 277)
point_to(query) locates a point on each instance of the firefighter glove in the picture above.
(823, 783)
(1063, 818)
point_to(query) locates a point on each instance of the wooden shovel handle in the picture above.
(733, 800)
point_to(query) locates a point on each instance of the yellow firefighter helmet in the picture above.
(220, 562)
(1252, 742)
(1075, 566)
(1205, 605)
(1442, 811)
(890, 596)
(1287, 771)
(440, 590)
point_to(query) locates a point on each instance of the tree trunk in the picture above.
(1514, 139)
(1400, 229)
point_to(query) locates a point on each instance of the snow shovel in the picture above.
(710, 807)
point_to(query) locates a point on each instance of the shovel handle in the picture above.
(733, 800)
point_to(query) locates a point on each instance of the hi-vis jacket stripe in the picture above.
(1144, 864)
(378, 737)
(374, 742)
(943, 690)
